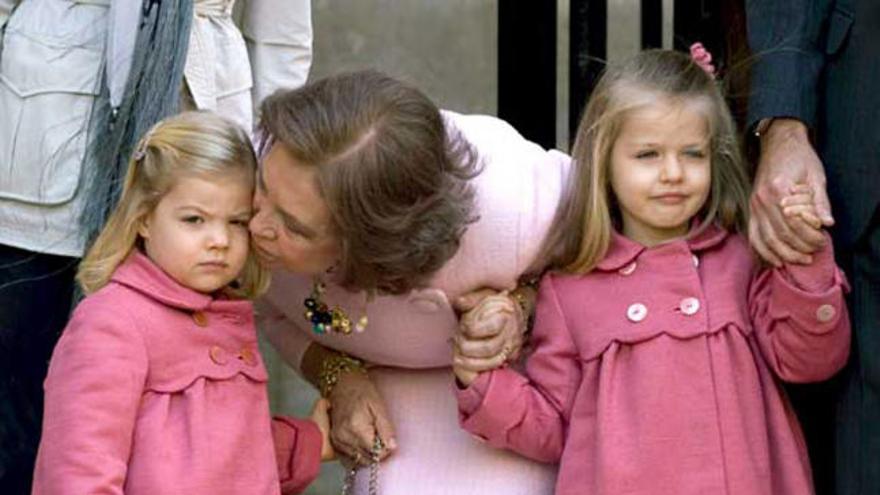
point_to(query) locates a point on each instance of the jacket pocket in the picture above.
(47, 90)
(838, 30)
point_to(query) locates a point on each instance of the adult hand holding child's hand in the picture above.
(490, 333)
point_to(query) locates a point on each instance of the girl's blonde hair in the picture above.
(188, 144)
(581, 232)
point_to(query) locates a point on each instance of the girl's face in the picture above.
(198, 232)
(292, 226)
(661, 170)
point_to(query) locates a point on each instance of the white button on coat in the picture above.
(689, 305)
(825, 313)
(628, 269)
(636, 312)
(696, 260)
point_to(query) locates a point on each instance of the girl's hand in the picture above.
(357, 415)
(799, 210)
(488, 336)
(321, 416)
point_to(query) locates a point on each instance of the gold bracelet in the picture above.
(527, 315)
(334, 366)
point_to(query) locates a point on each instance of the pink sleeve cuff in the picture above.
(811, 295)
(492, 418)
(469, 398)
(820, 275)
(297, 451)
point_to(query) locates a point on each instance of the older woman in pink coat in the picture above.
(379, 212)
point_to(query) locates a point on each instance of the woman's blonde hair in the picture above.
(188, 144)
(587, 215)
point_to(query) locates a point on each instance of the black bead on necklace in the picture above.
(323, 319)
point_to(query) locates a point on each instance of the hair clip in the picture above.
(141, 151)
(702, 58)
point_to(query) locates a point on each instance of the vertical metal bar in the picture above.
(563, 66)
(527, 68)
(587, 54)
(668, 21)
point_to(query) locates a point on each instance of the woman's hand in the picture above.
(357, 415)
(357, 411)
(490, 333)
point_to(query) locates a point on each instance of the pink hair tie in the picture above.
(703, 58)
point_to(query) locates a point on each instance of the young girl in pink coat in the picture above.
(660, 344)
(157, 386)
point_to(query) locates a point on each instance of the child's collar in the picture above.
(138, 272)
(623, 250)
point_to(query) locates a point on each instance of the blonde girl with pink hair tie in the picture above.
(660, 343)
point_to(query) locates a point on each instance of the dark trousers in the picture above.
(841, 417)
(815, 404)
(858, 408)
(36, 291)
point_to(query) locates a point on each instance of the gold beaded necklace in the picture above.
(326, 320)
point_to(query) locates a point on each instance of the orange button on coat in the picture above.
(200, 318)
(218, 355)
(248, 356)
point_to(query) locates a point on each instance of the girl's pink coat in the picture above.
(141, 399)
(681, 398)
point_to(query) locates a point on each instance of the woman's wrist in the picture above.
(335, 368)
(323, 367)
(525, 295)
(310, 365)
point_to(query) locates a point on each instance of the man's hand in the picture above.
(787, 159)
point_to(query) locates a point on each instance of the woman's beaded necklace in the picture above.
(326, 320)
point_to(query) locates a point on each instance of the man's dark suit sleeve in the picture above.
(787, 39)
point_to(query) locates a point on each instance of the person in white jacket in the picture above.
(58, 59)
